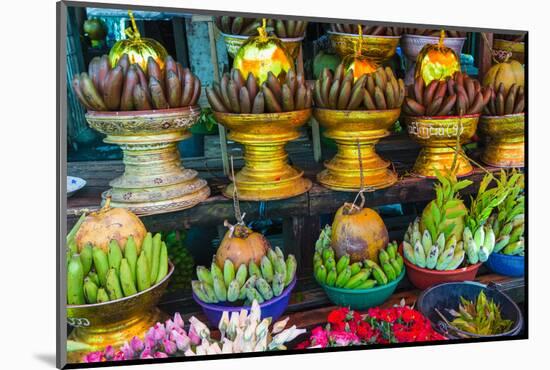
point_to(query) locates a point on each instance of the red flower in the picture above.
(337, 316)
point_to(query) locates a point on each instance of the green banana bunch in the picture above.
(245, 282)
(359, 275)
(94, 276)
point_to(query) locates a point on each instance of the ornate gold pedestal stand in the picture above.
(266, 174)
(112, 323)
(506, 145)
(437, 137)
(154, 180)
(348, 128)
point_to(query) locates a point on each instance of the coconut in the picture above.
(359, 232)
(241, 245)
(107, 224)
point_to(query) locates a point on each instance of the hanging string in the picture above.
(498, 56)
(132, 32)
(262, 30)
(236, 205)
(362, 188)
(359, 45)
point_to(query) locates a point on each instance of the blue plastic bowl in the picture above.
(273, 308)
(361, 299)
(504, 264)
(447, 296)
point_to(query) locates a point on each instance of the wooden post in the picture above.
(222, 130)
(485, 56)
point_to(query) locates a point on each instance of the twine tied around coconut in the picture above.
(239, 229)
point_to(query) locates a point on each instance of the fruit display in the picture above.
(366, 29)
(504, 102)
(377, 89)
(507, 73)
(138, 49)
(433, 32)
(482, 316)
(234, 94)
(508, 219)
(98, 276)
(436, 61)
(240, 332)
(242, 283)
(240, 245)
(347, 273)
(249, 26)
(456, 95)
(288, 28)
(127, 86)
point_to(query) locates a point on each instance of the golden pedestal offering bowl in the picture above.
(376, 48)
(234, 42)
(437, 137)
(506, 144)
(154, 180)
(266, 174)
(99, 325)
(347, 128)
(517, 48)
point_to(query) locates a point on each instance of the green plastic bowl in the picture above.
(361, 299)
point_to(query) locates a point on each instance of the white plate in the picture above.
(74, 184)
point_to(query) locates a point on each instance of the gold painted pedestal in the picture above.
(506, 144)
(266, 174)
(376, 48)
(99, 325)
(437, 137)
(347, 128)
(234, 42)
(154, 180)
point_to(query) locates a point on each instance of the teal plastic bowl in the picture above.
(361, 299)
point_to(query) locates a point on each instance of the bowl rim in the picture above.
(506, 256)
(425, 37)
(256, 115)
(364, 111)
(220, 307)
(517, 324)
(437, 272)
(245, 37)
(364, 36)
(504, 116)
(476, 115)
(374, 289)
(104, 304)
(148, 112)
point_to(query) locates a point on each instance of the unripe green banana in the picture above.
(102, 296)
(441, 242)
(327, 253)
(343, 277)
(355, 268)
(291, 267)
(92, 275)
(489, 241)
(356, 279)
(516, 233)
(204, 275)
(445, 259)
(342, 263)
(155, 262)
(228, 272)
(456, 261)
(264, 288)
(209, 292)
(272, 255)
(501, 243)
(507, 229)
(379, 276)
(101, 264)
(391, 249)
(252, 294)
(419, 257)
(143, 275)
(389, 271)
(483, 254)
(241, 275)
(479, 236)
(400, 262)
(233, 289)
(147, 249)
(431, 259)
(114, 290)
(279, 252)
(515, 248)
(267, 269)
(253, 269)
(321, 274)
(250, 283)
(408, 251)
(331, 277)
(280, 266)
(130, 253)
(278, 284)
(75, 281)
(126, 279)
(367, 284)
(426, 242)
(396, 266)
(383, 256)
(215, 271)
(196, 286)
(330, 263)
(220, 289)
(471, 251)
(163, 263)
(114, 255)
(86, 258)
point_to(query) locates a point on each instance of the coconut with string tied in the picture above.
(436, 61)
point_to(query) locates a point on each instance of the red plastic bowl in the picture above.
(424, 278)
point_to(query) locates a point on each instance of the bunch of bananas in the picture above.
(481, 317)
(127, 87)
(379, 90)
(249, 26)
(245, 283)
(433, 32)
(509, 218)
(342, 274)
(504, 102)
(366, 29)
(94, 276)
(235, 95)
(182, 260)
(458, 95)
(513, 38)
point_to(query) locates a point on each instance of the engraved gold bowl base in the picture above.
(377, 48)
(234, 42)
(266, 174)
(348, 128)
(437, 137)
(506, 144)
(154, 180)
(99, 325)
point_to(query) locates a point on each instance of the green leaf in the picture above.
(462, 185)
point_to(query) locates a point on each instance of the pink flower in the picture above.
(160, 331)
(94, 357)
(343, 338)
(182, 341)
(109, 352)
(169, 325)
(119, 356)
(319, 337)
(159, 354)
(193, 336)
(128, 351)
(178, 320)
(137, 344)
(146, 354)
(169, 347)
